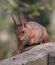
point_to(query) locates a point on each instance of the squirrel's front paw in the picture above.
(18, 52)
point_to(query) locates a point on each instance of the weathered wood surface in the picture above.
(38, 55)
(51, 59)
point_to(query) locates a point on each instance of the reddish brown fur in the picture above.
(33, 33)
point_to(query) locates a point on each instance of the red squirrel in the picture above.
(29, 33)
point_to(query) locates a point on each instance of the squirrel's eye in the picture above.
(23, 31)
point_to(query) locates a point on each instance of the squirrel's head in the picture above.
(22, 29)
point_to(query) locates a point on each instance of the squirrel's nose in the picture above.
(21, 38)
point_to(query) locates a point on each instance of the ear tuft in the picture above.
(14, 21)
(22, 19)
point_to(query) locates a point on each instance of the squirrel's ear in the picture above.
(15, 24)
(22, 19)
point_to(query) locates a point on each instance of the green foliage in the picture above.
(29, 1)
(6, 8)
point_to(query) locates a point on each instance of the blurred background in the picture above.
(42, 11)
